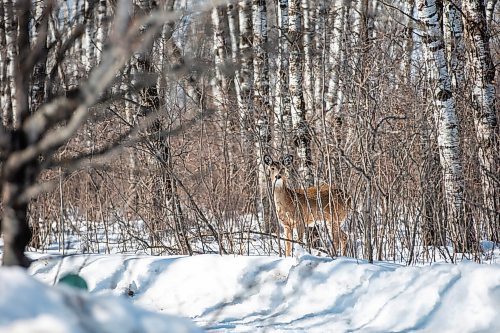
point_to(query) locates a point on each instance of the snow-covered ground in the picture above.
(263, 294)
(30, 306)
(140, 293)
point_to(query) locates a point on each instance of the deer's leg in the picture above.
(343, 243)
(300, 231)
(288, 244)
(339, 239)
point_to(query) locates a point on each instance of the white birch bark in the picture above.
(232, 21)
(446, 123)
(261, 92)
(454, 40)
(307, 50)
(334, 96)
(220, 83)
(485, 118)
(77, 12)
(102, 29)
(3, 67)
(10, 109)
(245, 82)
(88, 46)
(490, 11)
(319, 58)
(300, 127)
(282, 116)
(406, 63)
(40, 68)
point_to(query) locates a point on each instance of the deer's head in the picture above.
(277, 169)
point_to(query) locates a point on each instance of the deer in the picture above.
(300, 208)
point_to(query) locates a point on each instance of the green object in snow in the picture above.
(74, 280)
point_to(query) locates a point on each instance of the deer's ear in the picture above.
(287, 160)
(268, 160)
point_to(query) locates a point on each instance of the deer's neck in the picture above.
(281, 191)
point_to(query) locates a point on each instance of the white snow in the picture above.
(27, 305)
(256, 294)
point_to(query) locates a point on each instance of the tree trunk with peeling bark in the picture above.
(490, 11)
(40, 69)
(220, 82)
(232, 20)
(302, 136)
(319, 42)
(334, 96)
(261, 99)
(454, 40)
(102, 29)
(307, 51)
(88, 47)
(283, 119)
(10, 106)
(446, 121)
(484, 111)
(245, 81)
(3, 67)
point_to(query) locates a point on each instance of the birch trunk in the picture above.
(307, 51)
(220, 84)
(406, 63)
(319, 40)
(283, 121)
(490, 11)
(3, 67)
(485, 118)
(302, 136)
(40, 68)
(335, 96)
(88, 53)
(447, 126)
(102, 29)
(454, 40)
(77, 11)
(10, 107)
(245, 83)
(261, 100)
(232, 20)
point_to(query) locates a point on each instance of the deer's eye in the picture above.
(272, 169)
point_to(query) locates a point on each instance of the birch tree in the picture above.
(490, 10)
(40, 69)
(319, 40)
(282, 116)
(3, 66)
(245, 80)
(454, 41)
(88, 47)
(232, 20)
(261, 95)
(484, 110)
(300, 127)
(10, 113)
(446, 122)
(102, 29)
(307, 51)
(220, 82)
(334, 96)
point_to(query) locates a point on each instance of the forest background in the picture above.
(140, 126)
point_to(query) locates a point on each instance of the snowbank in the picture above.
(312, 294)
(27, 305)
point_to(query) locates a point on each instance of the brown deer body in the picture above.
(301, 208)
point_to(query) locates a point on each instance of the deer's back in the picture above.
(312, 204)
